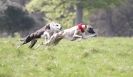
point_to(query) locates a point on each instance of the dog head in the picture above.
(90, 30)
(53, 26)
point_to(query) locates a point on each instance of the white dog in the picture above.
(77, 32)
(45, 32)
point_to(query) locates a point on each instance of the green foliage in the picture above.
(96, 57)
(63, 11)
(59, 10)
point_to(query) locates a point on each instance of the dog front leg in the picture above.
(76, 36)
(46, 36)
(52, 39)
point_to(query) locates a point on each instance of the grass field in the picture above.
(96, 57)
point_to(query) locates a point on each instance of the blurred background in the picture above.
(108, 17)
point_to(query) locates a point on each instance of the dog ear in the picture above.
(47, 26)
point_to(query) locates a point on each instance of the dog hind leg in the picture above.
(28, 39)
(33, 42)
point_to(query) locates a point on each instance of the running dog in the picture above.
(79, 31)
(45, 32)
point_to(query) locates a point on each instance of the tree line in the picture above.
(109, 17)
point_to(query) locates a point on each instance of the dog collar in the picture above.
(80, 27)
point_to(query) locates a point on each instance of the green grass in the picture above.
(96, 57)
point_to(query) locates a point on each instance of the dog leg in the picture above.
(28, 38)
(58, 40)
(52, 39)
(45, 36)
(33, 42)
